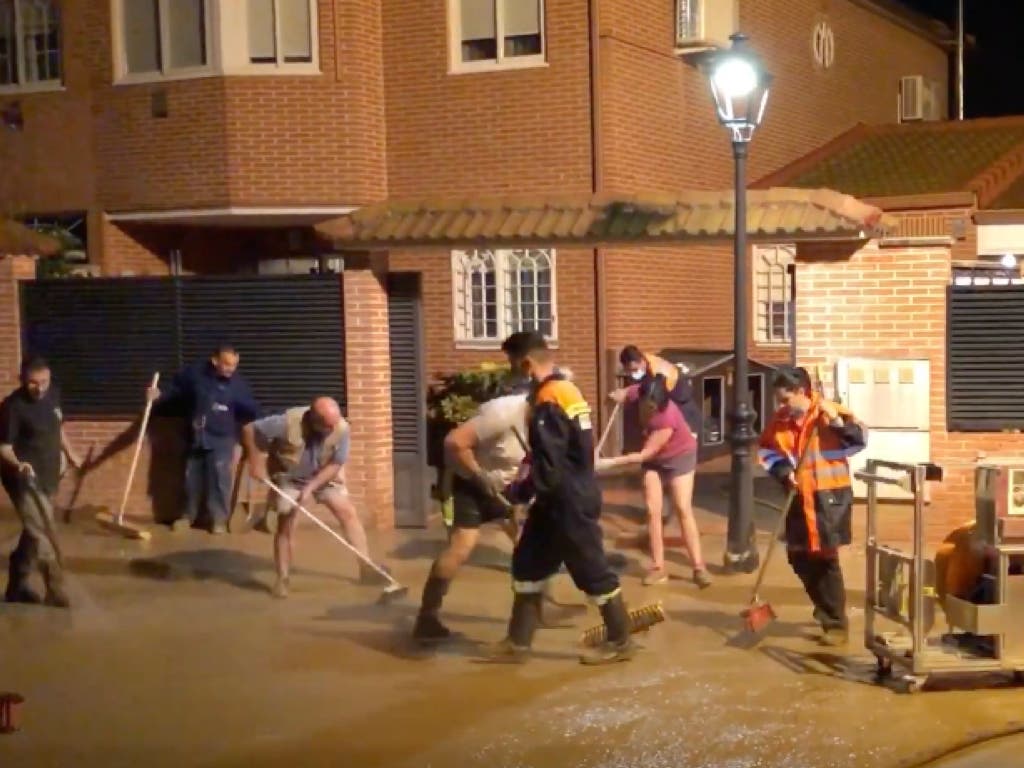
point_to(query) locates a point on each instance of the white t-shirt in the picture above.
(498, 449)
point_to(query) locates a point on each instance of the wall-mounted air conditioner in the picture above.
(920, 99)
(702, 25)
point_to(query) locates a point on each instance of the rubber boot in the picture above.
(428, 628)
(53, 578)
(18, 590)
(515, 648)
(833, 602)
(619, 646)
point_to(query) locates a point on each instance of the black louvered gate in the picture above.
(985, 358)
(104, 337)
(408, 417)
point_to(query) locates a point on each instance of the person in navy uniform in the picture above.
(217, 403)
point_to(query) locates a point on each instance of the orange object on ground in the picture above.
(958, 564)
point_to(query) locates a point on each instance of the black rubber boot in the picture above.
(807, 571)
(833, 602)
(515, 648)
(619, 646)
(429, 628)
(53, 577)
(18, 590)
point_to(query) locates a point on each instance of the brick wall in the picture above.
(891, 303)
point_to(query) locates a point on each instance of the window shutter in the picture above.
(295, 24)
(522, 17)
(262, 47)
(187, 33)
(478, 22)
(141, 35)
(985, 358)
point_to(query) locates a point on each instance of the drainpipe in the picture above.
(960, 59)
(596, 184)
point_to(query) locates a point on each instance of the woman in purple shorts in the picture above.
(668, 460)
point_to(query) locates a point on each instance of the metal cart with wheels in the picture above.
(984, 636)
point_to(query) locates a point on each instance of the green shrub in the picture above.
(454, 399)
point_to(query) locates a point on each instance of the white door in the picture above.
(892, 397)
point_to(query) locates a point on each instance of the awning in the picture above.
(780, 213)
(17, 239)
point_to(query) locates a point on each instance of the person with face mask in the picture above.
(215, 401)
(668, 459)
(562, 524)
(32, 441)
(819, 520)
(307, 449)
(639, 365)
(484, 454)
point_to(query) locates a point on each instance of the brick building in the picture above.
(212, 134)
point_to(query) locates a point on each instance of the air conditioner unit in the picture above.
(920, 99)
(702, 25)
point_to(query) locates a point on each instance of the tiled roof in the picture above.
(979, 156)
(1011, 198)
(650, 218)
(18, 239)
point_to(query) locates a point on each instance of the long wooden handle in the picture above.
(607, 429)
(138, 448)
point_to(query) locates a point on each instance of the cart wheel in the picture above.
(1018, 676)
(883, 667)
(913, 684)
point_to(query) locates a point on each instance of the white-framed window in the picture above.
(688, 20)
(30, 43)
(490, 34)
(281, 31)
(163, 37)
(498, 292)
(774, 313)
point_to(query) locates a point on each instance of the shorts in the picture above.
(671, 468)
(292, 489)
(470, 507)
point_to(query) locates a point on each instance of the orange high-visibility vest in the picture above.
(656, 365)
(826, 466)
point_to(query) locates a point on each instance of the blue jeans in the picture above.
(208, 473)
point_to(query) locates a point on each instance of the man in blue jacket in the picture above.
(217, 403)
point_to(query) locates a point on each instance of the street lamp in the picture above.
(739, 85)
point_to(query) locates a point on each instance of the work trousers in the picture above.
(822, 578)
(558, 532)
(208, 474)
(33, 545)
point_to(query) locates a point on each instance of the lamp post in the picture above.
(739, 86)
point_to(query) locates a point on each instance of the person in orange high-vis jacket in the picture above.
(818, 522)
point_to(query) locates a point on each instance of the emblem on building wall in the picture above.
(823, 45)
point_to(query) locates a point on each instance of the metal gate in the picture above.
(408, 413)
(104, 337)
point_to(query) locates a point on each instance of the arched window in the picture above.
(29, 42)
(773, 293)
(498, 292)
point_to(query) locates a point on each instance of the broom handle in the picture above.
(785, 511)
(331, 531)
(138, 449)
(607, 429)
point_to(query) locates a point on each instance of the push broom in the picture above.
(393, 591)
(759, 614)
(116, 522)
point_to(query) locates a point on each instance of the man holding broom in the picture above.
(31, 443)
(818, 520)
(308, 448)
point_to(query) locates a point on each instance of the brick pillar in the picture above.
(12, 270)
(367, 369)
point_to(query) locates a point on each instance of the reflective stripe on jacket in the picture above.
(824, 483)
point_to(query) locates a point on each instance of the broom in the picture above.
(116, 522)
(392, 591)
(759, 614)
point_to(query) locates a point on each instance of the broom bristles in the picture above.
(757, 617)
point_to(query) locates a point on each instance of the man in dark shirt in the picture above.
(31, 443)
(217, 402)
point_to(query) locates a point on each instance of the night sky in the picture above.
(994, 67)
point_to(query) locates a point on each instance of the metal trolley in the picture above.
(901, 586)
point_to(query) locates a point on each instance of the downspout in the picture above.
(960, 59)
(596, 184)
